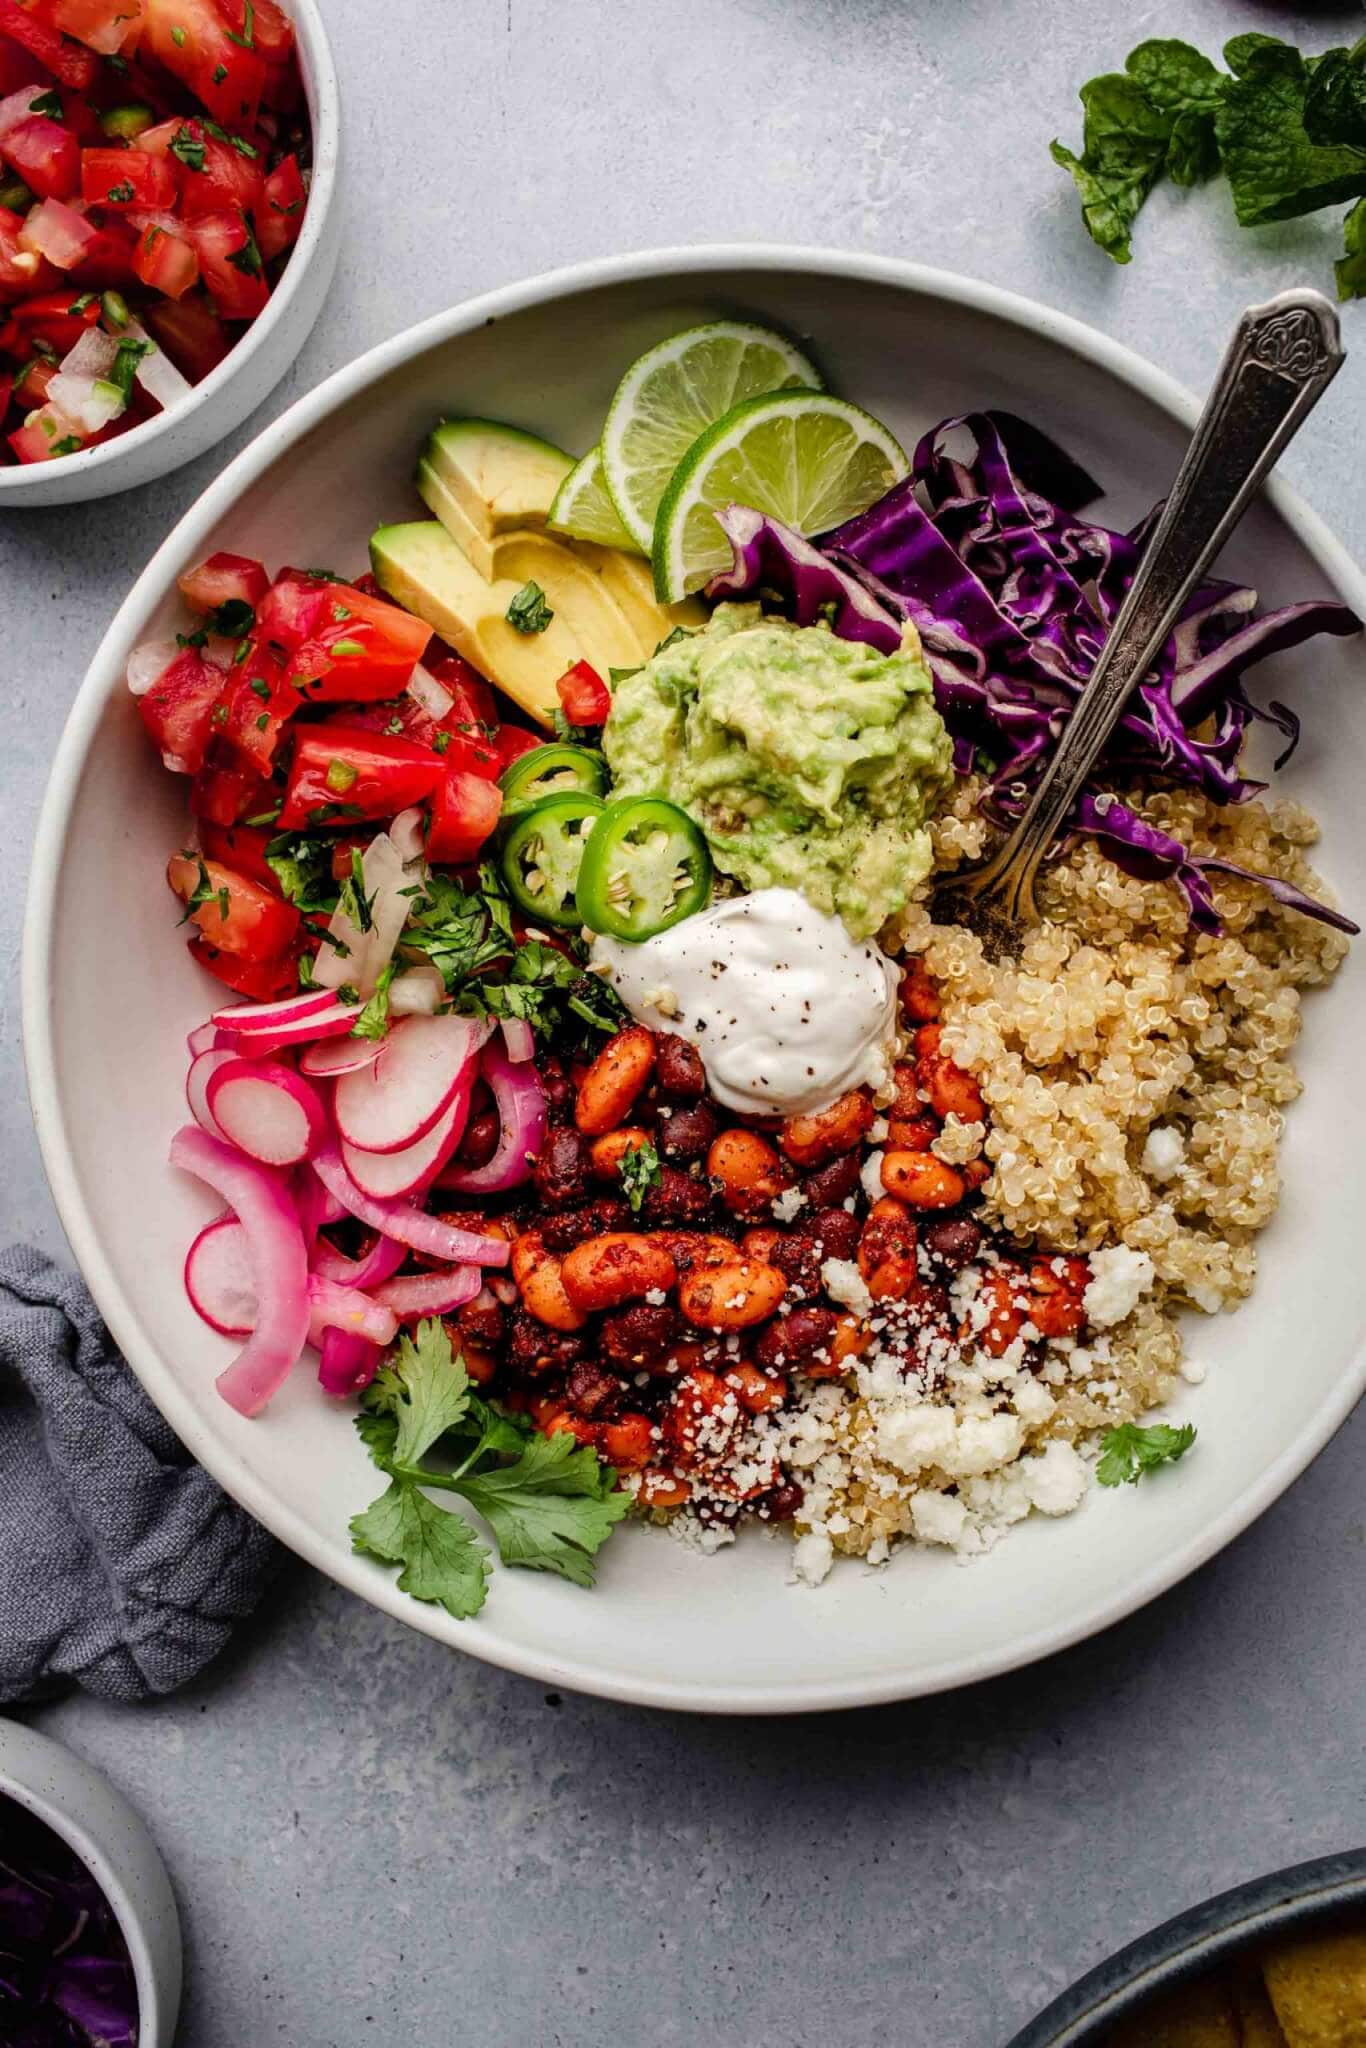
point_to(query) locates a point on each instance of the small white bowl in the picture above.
(261, 356)
(99, 1825)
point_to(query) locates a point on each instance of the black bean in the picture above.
(954, 1240)
(835, 1183)
(679, 1067)
(687, 1133)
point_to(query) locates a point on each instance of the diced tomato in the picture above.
(103, 25)
(472, 699)
(33, 382)
(267, 27)
(231, 263)
(178, 710)
(342, 772)
(404, 716)
(512, 741)
(18, 68)
(66, 60)
(261, 980)
(465, 809)
(260, 702)
(80, 117)
(584, 695)
(125, 177)
(242, 848)
(226, 790)
(280, 214)
(21, 273)
(239, 916)
(46, 156)
(33, 442)
(54, 230)
(56, 318)
(223, 179)
(108, 260)
(359, 649)
(165, 262)
(293, 608)
(192, 41)
(6, 391)
(191, 333)
(221, 578)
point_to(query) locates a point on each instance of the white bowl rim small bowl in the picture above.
(97, 465)
(106, 676)
(30, 1762)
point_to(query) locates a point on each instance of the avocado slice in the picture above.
(482, 478)
(631, 583)
(422, 568)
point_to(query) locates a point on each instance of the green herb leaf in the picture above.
(528, 612)
(127, 356)
(552, 1509)
(70, 444)
(178, 37)
(247, 39)
(1131, 1450)
(442, 1559)
(188, 148)
(373, 1021)
(639, 1171)
(232, 618)
(121, 194)
(1335, 100)
(220, 72)
(303, 868)
(1350, 268)
(247, 259)
(49, 104)
(354, 902)
(436, 1391)
(1274, 170)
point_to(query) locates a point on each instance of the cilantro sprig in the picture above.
(1129, 1451)
(1287, 131)
(548, 1501)
(638, 1171)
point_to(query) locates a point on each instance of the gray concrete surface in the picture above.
(377, 1842)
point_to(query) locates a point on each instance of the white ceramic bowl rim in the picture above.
(277, 1514)
(15, 482)
(44, 1757)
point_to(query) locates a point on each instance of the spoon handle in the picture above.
(1282, 358)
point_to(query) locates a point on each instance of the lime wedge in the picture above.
(804, 457)
(584, 510)
(673, 393)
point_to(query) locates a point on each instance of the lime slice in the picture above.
(584, 510)
(673, 393)
(804, 457)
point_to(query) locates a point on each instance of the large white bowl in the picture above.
(262, 354)
(109, 994)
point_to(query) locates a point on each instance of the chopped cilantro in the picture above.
(351, 647)
(247, 259)
(440, 742)
(48, 104)
(638, 1170)
(178, 38)
(259, 687)
(373, 1020)
(204, 892)
(1131, 1450)
(247, 39)
(220, 72)
(69, 444)
(528, 612)
(127, 356)
(188, 148)
(121, 194)
(303, 868)
(354, 902)
(85, 300)
(232, 618)
(196, 639)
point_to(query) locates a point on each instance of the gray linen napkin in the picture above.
(123, 1566)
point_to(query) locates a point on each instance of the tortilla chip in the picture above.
(1318, 1987)
(1256, 2017)
(1199, 2015)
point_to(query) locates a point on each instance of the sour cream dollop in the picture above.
(786, 1009)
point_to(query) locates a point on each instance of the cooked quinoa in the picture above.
(1136, 1074)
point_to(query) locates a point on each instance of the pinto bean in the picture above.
(813, 1140)
(676, 1198)
(906, 1080)
(796, 1339)
(661, 1489)
(700, 1418)
(911, 1133)
(628, 1443)
(1005, 1291)
(687, 1134)
(481, 1321)
(621, 1265)
(757, 1391)
(1056, 1306)
(927, 1040)
(759, 1244)
(550, 1417)
(889, 1233)
(919, 994)
(545, 1297)
(592, 1391)
(572, 1226)
(830, 1185)
(749, 1173)
(952, 1090)
(894, 1280)
(614, 1080)
(607, 1152)
(690, 1248)
(562, 1172)
(637, 1336)
(731, 1297)
(678, 1065)
(922, 1181)
(975, 1173)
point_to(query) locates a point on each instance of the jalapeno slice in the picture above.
(645, 867)
(560, 770)
(542, 854)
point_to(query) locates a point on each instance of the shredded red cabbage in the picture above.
(66, 1980)
(983, 548)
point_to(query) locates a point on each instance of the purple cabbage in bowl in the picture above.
(66, 1979)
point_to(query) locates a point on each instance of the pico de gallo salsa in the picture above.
(154, 169)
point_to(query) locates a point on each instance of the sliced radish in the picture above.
(203, 1038)
(332, 1307)
(381, 1262)
(389, 1105)
(346, 1363)
(220, 1280)
(284, 1010)
(430, 1294)
(265, 1208)
(333, 1022)
(266, 1109)
(203, 1067)
(417, 992)
(387, 1175)
(338, 1056)
(409, 1225)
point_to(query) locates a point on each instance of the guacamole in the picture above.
(810, 763)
